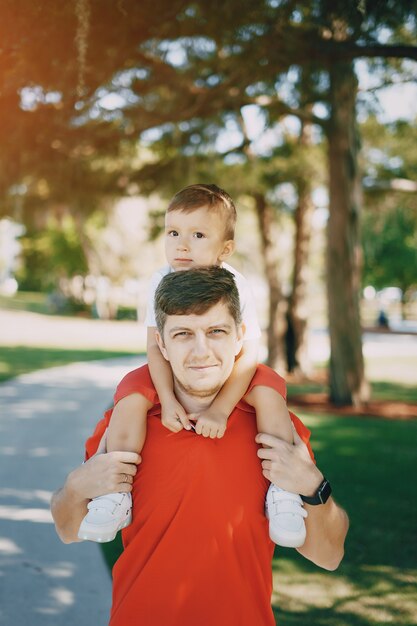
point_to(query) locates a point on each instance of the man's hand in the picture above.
(173, 415)
(210, 423)
(289, 465)
(104, 473)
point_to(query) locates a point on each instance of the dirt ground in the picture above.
(319, 403)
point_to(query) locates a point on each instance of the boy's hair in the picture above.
(196, 196)
(195, 291)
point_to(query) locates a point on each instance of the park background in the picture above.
(305, 112)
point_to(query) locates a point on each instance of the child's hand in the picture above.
(210, 423)
(174, 417)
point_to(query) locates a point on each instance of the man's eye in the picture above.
(183, 333)
(172, 233)
(198, 235)
(217, 331)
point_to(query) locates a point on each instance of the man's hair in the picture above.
(195, 291)
(194, 197)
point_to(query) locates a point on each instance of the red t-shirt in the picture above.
(197, 551)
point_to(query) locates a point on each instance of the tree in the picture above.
(390, 218)
(194, 69)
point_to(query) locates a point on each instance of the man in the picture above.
(198, 551)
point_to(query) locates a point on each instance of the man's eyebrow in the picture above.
(222, 325)
(175, 329)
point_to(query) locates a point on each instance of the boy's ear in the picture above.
(228, 249)
(161, 345)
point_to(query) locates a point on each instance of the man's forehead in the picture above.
(217, 315)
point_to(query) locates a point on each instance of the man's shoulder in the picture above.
(267, 377)
(139, 374)
(136, 381)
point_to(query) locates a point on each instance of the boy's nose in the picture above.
(182, 244)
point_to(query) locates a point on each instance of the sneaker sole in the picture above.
(289, 541)
(98, 537)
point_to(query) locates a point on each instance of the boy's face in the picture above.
(195, 239)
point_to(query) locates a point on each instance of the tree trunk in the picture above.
(275, 330)
(296, 336)
(347, 378)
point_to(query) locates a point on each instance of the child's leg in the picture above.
(284, 509)
(127, 428)
(272, 415)
(126, 432)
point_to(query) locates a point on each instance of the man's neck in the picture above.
(192, 403)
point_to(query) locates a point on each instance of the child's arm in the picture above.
(173, 415)
(212, 423)
(272, 415)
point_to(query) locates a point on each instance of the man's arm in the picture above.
(291, 467)
(327, 526)
(103, 473)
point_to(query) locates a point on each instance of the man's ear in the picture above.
(161, 344)
(240, 337)
(228, 249)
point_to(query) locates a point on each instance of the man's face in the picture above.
(195, 239)
(201, 349)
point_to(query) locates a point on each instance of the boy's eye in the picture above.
(198, 235)
(172, 233)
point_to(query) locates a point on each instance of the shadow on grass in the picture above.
(351, 596)
(18, 360)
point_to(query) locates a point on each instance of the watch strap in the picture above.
(321, 495)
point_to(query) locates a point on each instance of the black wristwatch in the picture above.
(321, 496)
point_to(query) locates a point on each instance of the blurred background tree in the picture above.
(103, 99)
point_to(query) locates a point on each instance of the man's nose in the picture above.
(201, 347)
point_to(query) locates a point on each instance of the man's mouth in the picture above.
(183, 260)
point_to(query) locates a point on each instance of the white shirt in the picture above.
(247, 302)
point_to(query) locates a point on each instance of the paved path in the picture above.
(44, 419)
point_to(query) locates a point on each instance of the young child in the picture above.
(199, 231)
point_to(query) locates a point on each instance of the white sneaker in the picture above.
(106, 515)
(286, 515)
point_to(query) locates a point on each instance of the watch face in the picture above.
(324, 491)
(322, 494)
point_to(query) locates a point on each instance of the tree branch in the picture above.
(383, 51)
(281, 109)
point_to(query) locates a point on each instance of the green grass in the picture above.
(47, 304)
(26, 301)
(371, 464)
(17, 360)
